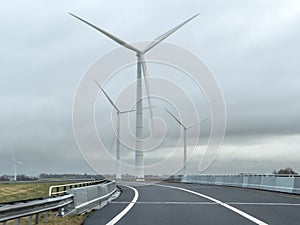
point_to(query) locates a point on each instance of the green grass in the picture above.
(53, 220)
(16, 192)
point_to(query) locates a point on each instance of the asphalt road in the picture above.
(169, 203)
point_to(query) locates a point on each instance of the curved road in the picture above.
(172, 204)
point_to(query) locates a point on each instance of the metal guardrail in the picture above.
(45, 181)
(17, 210)
(62, 189)
(59, 200)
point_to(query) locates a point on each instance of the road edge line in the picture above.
(240, 212)
(128, 207)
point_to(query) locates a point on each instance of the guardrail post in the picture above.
(36, 218)
(31, 209)
(30, 220)
(46, 216)
(61, 211)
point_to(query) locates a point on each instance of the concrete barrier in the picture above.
(285, 184)
(227, 180)
(218, 180)
(254, 182)
(91, 197)
(296, 185)
(188, 179)
(237, 181)
(268, 183)
(245, 181)
(211, 180)
(195, 179)
(264, 182)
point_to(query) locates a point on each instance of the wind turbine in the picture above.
(15, 167)
(141, 69)
(119, 113)
(185, 128)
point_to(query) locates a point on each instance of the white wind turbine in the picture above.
(15, 167)
(141, 69)
(119, 113)
(185, 128)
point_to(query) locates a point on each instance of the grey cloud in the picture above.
(251, 46)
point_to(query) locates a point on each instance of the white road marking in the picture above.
(126, 210)
(214, 203)
(264, 203)
(169, 203)
(249, 217)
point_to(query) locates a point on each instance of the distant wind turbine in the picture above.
(141, 69)
(119, 113)
(15, 167)
(185, 128)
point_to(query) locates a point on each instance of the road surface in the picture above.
(173, 204)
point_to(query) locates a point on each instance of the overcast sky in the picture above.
(252, 48)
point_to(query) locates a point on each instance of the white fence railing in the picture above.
(62, 189)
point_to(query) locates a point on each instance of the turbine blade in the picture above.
(177, 120)
(162, 37)
(201, 121)
(109, 99)
(147, 85)
(116, 39)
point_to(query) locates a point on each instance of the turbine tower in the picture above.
(141, 69)
(119, 113)
(185, 128)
